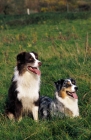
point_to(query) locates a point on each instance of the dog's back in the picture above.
(50, 107)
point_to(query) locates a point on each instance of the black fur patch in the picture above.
(13, 105)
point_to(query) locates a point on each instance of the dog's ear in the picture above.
(21, 57)
(59, 84)
(73, 81)
(61, 81)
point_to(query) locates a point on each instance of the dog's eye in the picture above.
(73, 82)
(68, 85)
(64, 84)
(30, 60)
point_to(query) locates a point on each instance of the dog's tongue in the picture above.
(34, 70)
(74, 95)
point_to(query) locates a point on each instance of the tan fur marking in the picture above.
(62, 93)
(68, 112)
(68, 83)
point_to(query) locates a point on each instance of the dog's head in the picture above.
(66, 88)
(28, 62)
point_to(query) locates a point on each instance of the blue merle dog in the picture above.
(65, 102)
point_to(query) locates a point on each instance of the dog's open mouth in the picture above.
(72, 94)
(34, 70)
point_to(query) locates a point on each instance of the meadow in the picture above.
(63, 42)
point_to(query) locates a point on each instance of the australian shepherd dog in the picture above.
(65, 102)
(23, 94)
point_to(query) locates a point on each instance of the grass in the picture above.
(63, 45)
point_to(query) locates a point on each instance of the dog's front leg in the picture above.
(35, 113)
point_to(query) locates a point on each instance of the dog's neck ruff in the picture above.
(34, 70)
(27, 84)
(70, 103)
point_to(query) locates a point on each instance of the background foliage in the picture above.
(13, 7)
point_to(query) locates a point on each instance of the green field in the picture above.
(63, 42)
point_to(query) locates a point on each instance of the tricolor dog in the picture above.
(23, 94)
(65, 102)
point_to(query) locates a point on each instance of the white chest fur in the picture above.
(28, 86)
(71, 104)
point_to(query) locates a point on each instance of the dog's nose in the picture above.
(76, 88)
(39, 63)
